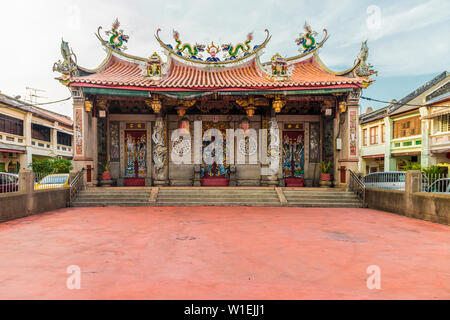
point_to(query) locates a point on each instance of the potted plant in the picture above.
(106, 175)
(325, 167)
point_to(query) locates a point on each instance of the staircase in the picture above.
(218, 197)
(323, 199)
(113, 197)
(249, 197)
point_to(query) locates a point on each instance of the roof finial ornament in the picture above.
(68, 67)
(364, 69)
(308, 40)
(117, 38)
(213, 50)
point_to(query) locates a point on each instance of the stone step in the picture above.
(109, 204)
(199, 200)
(91, 200)
(324, 198)
(218, 196)
(215, 197)
(217, 192)
(218, 204)
(328, 193)
(113, 196)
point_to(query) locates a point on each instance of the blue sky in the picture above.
(408, 39)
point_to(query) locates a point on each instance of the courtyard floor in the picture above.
(223, 253)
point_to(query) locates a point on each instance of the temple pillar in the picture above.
(160, 168)
(347, 148)
(84, 134)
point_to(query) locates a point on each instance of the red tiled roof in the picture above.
(60, 118)
(120, 73)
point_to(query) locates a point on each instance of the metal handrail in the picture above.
(357, 186)
(76, 184)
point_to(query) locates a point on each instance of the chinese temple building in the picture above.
(126, 110)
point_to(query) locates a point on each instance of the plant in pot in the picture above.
(106, 175)
(325, 167)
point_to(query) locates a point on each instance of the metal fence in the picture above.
(9, 182)
(51, 181)
(393, 180)
(435, 182)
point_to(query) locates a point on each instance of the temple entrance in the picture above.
(135, 158)
(294, 158)
(215, 174)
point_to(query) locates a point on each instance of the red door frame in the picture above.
(136, 181)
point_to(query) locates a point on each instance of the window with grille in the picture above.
(64, 139)
(407, 127)
(11, 125)
(365, 137)
(39, 132)
(374, 135)
(443, 123)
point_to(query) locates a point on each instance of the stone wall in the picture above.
(27, 201)
(19, 205)
(433, 207)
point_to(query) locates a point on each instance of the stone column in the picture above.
(26, 181)
(389, 161)
(54, 138)
(27, 134)
(413, 183)
(160, 153)
(425, 160)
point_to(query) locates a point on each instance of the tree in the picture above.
(51, 165)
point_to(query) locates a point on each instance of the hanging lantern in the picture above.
(250, 110)
(278, 104)
(155, 104)
(87, 106)
(342, 106)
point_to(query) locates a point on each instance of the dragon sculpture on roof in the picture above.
(233, 51)
(192, 51)
(308, 40)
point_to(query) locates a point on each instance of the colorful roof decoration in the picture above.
(213, 67)
(307, 40)
(121, 73)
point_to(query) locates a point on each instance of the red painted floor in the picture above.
(223, 253)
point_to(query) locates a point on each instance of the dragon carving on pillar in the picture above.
(159, 150)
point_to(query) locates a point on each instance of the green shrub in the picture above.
(325, 166)
(51, 165)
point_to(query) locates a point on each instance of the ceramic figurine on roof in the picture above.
(308, 40)
(213, 50)
(152, 68)
(365, 69)
(233, 51)
(279, 67)
(68, 67)
(193, 52)
(226, 54)
(117, 37)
